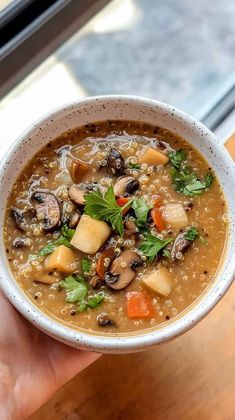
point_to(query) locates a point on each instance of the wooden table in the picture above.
(192, 377)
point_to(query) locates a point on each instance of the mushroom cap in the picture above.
(126, 184)
(47, 209)
(122, 270)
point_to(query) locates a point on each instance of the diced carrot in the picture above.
(100, 266)
(158, 219)
(121, 202)
(138, 305)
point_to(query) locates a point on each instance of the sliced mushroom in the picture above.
(77, 192)
(130, 227)
(74, 219)
(122, 270)
(47, 209)
(126, 184)
(19, 218)
(115, 162)
(163, 145)
(77, 169)
(104, 321)
(180, 245)
(21, 243)
(96, 282)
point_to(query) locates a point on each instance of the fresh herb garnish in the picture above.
(177, 158)
(75, 287)
(191, 234)
(186, 182)
(76, 292)
(92, 302)
(64, 239)
(152, 245)
(166, 253)
(135, 166)
(67, 232)
(141, 210)
(47, 249)
(105, 208)
(86, 265)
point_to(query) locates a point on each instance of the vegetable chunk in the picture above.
(159, 281)
(154, 157)
(90, 234)
(138, 305)
(60, 259)
(175, 215)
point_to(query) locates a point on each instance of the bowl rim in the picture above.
(116, 343)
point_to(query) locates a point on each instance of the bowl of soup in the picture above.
(117, 223)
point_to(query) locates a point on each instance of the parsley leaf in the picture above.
(105, 208)
(75, 287)
(64, 239)
(152, 245)
(186, 182)
(141, 210)
(177, 158)
(135, 166)
(92, 302)
(67, 232)
(86, 265)
(191, 234)
(166, 253)
(76, 292)
(47, 249)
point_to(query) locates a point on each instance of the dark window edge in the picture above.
(42, 38)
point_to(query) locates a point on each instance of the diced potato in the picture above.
(175, 215)
(153, 157)
(159, 281)
(60, 259)
(90, 234)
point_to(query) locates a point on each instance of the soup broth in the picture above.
(116, 226)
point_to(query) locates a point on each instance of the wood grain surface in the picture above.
(192, 377)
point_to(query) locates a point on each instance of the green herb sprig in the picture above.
(152, 245)
(141, 210)
(185, 180)
(64, 239)
(76, 290)
(104, 207)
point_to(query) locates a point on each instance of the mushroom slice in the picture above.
(77, 169)
(104, 321)
(115, 162)
(122, 270)
(74, 219)
(180, 245)
(126, 184)
(21, 243)
(130, 227)
(77, 192)
(96, 282)
(18, 217)
(47, 209)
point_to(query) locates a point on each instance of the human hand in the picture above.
(32, 365)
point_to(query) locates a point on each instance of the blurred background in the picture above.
(178, 51)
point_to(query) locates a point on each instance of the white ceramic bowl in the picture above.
(123, 108)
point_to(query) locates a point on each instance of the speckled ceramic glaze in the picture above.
(128, 108)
